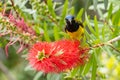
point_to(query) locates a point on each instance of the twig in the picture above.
(107, 43)
(114, 48)
(7, 73)
(45, 1)
(114, 39)
(52, 20)
(109, 25)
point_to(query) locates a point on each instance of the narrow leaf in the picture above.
(79, 15)
(51, 76)
(72, 11)
(96, 26)
(110, 11)
(89, 26)
(105, 3)
(46, 35)
(38, 75)
(103, 32)
(81, 70)
(95, 4)
(56, 33)
(116, 18)
(94, 68)
(50, 7)
(87, 66)
(75, 71)
(64, 12)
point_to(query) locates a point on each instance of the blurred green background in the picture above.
(101, 20)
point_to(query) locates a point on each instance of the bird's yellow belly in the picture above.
(77, 34)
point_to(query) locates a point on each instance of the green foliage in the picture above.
(110, 11)
(95, 3)
(64, 12)
(38, 75)
(46, 35)
(79, 15)
(94, 67)
(56, 33)
(105, 3)
(51, 76)
(50, 8)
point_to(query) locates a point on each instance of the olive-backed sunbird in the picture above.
(74, 28)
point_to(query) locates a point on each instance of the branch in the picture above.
(114, 48)
(114, 39)
(107, 43)
(52, 20)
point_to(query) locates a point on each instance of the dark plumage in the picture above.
(73, 27)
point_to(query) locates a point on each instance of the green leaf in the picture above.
(74, 71)
(64, 12)
(116, 22)
(107, 49)
(87, 66)
(50, 8)
(105, 3)
(95, 4)
(116, 18)
(79, 15)
(52, 76)
(100, 12)
(103, 32)
(116, 31)
(46, 35)
(56, 33)
(38, 75)
(119, 45)
(110, 11)
(72, 11)
(94, 68)
(38, 29)
(22, 3)
(29, 11)
(81, 70)
(89, 26)
(96, 26)
(87, 35)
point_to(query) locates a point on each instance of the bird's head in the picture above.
(69, 19)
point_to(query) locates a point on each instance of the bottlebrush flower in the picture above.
(20, 24)
(56, 56)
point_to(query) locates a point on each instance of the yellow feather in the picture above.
(77, 35)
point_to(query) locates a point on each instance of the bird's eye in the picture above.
(72, 18)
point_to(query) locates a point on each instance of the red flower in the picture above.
(56, 56)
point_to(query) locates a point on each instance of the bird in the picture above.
(74, 28)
